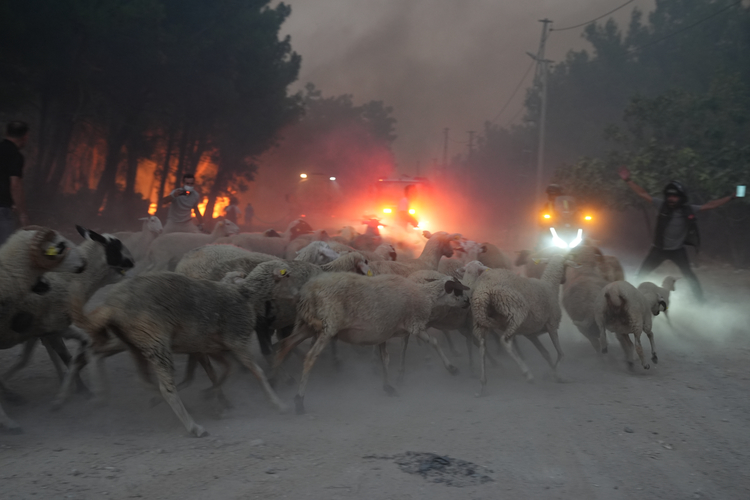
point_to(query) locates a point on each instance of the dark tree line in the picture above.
(109, 83)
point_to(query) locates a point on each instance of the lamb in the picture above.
(107, 260)
(24, 258)
(166, 251)
(257, 242)
(317, 252)
(366, 311)
(517, 305)
(139, 242)
(652, 292)
(624, 310)
(157, 315)
(438, 245)
(581, 290)
(212, 262)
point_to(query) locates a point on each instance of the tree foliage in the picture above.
(178, 82)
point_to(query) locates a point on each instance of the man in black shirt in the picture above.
(675, 227)
(11, 173)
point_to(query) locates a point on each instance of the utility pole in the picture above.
(541, 79)
(445, 148)
(471, 143)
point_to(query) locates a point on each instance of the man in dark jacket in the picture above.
(676, 226)
(11, 173)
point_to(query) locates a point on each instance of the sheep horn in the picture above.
(45, 257)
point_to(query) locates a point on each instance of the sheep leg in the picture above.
(402, 367)
(23, 360)
(508, 345)
(552, 332)
(241, 348)
(603, 341)
(215, 389)
(545, 354)
(192, 364)
(161, 360)
(627, 348)
(61, 358)
(335, 352)
(650, 336)
(387, 387)
(469, 341)
(74, 368)
(310, 358)
(10, 425)
(57, 353)
(639, 350)
(449, 342)
(300, 334)
(480, 333)
(422, 334)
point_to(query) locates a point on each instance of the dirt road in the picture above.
(680, 430)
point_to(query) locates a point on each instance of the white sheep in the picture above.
(317, 252)
(167, 250)
(212, 262)
(260, 242)
(24, 258)
(622, 309)
(581, 289)
(106, 262)
(517, 305)
(138, 242)
(438, 245)
(164, 313)
(366, 311)
(303, 240)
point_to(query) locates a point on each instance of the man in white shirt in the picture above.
(182, 202)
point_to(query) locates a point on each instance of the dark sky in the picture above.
(439, 63)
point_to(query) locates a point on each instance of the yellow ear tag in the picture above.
(536, 261)
(283, 272)
(369, 272)
(51, 252)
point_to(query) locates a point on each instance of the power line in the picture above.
(686, 27)
(593, 20)
(523, 78)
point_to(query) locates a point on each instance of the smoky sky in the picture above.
(439, 63)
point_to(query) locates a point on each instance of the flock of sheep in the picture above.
(208, 295)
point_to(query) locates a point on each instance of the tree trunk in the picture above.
(165, 169)
(107, 181)
(181, 154)
(60, 160)
(132, 170)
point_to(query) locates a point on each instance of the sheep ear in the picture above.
(449, 286)
(457, 285)
(572, 263)
(82, 231)
(145, 218)
(427, 234)
(483, 249)
(663, 305)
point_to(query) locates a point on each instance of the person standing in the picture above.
(676, 226)
(249, 214)
(232, 211)
(402, 211)
(11, 179)
(182, 203)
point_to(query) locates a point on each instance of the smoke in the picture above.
(438, 63)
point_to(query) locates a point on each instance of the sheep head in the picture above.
(152, 224)
(117, 255)
(50, 251)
